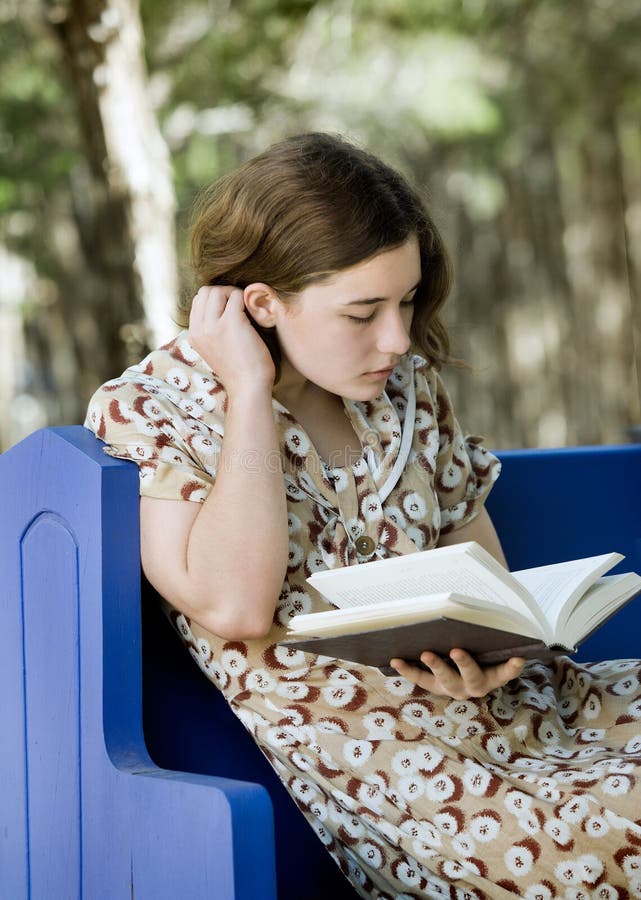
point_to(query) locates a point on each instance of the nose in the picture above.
(393, 336)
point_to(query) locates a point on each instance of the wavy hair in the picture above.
(307, 208)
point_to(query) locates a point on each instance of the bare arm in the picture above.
(481, 530)
(223, 562)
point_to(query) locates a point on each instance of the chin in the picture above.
(364, 394)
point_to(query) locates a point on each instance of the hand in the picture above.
(220, 331)
(470, 680)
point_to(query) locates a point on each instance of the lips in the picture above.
(381, 373)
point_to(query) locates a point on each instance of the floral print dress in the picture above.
(530, 791)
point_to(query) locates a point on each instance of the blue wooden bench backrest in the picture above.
(84, 811)
(552, 505)
(93, 807)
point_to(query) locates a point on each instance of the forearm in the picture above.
(236, 555)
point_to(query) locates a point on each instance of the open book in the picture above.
(460, 596)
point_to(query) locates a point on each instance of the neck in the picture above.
(290, 384)
(295, 392)
(292, 387)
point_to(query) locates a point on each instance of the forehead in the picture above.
(385, 274)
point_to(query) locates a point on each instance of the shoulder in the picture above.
(172, 383)
(166, 414)
(176, 368)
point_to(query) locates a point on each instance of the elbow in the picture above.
(237, 624)
(243, 630)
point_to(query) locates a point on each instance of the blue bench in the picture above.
(123, 772)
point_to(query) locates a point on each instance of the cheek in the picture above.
(322, 334)
(310, 341)
(306, 340)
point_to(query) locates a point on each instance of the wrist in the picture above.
(250, 391)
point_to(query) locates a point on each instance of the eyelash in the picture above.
(363, 320)
(360, 320)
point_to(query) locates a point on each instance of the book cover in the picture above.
(488, 646)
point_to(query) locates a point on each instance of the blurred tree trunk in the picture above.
(630, 141)
(614, 356)
(125, 212)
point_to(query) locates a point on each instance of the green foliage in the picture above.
(38, 141)
(215, 61)
(400, 74)
(497, 106)
(37, 127)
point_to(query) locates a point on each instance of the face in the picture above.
(346, 334)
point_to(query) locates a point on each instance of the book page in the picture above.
(412, 609)
(598, 603)
(464, 580)
(461, 581)
(464, 568)
(558, 587)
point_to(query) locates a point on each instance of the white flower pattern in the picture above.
(529, 792)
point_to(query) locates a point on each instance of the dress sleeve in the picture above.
(176, 451)
(465, 470)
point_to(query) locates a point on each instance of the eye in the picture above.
(361, 320)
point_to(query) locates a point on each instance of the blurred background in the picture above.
(519, 121)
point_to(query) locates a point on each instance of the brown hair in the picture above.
(307, 208)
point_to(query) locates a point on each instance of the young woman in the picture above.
(293, 428)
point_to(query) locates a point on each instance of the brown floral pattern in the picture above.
(528, 792)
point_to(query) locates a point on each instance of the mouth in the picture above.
(380, 373)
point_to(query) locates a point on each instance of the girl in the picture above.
(294, 427)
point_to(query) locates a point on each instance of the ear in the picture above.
(262, 303)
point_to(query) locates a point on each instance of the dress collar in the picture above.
(383, 426)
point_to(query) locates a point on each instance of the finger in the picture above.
(215, 303)
(197, 310)
(235, 302)
(414, 673)
(474, 677)
(447, 677)
(501, 674)
(403, 666)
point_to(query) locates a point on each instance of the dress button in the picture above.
(365, 545)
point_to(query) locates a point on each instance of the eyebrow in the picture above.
(370, 301)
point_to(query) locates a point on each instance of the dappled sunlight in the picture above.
(518, 122)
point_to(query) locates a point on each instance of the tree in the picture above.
(519, 120)
(128, 227)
